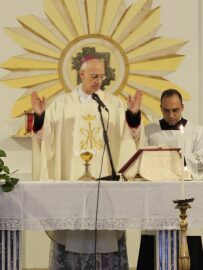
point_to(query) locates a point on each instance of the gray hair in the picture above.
(85, 64)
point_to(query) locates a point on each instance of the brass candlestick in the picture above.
(86, 157)
(184, 257)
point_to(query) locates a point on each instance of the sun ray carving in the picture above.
(37, 26)
(76, 13)
(132, 19)
(113, 11)
(144, 32)
(127, 33)
(55, 11)
(21, 63)
(159, 67)
(32, 42)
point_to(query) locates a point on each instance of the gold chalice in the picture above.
(86, 157)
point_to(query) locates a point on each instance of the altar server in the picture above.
(167, 132)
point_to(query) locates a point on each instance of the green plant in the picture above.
(7, 181)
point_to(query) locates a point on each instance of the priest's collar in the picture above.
(83, 97)
(165, 126)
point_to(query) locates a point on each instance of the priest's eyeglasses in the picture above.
(95, 76)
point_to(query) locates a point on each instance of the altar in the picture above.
(41, 206)
(72, 205)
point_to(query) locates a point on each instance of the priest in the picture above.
(70, 125)
(173, 131)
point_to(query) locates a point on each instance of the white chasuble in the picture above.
(71, 127)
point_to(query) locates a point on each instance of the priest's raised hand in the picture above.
(38, 103)
(134, 102)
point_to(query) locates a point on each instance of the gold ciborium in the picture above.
(86, 157)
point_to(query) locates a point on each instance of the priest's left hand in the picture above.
(134, 102)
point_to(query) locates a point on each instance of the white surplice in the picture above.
(191, 138)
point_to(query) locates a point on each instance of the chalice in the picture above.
(86, 156)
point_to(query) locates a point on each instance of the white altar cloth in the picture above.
(122, 205)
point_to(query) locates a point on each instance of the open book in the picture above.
(153, 164)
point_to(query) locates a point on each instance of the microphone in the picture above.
(98, 100)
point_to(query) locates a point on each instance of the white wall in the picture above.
(18, 150)
(200, 32)
(180, 19)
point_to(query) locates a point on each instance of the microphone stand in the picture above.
(113, 176)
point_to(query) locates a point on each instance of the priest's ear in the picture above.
(81, 73)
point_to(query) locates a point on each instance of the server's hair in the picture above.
(171, 92)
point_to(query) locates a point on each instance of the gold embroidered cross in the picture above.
(90, 135)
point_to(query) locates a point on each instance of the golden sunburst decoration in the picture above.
(139, 58)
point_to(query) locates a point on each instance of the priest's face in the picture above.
(171, 108)
(92, 74)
